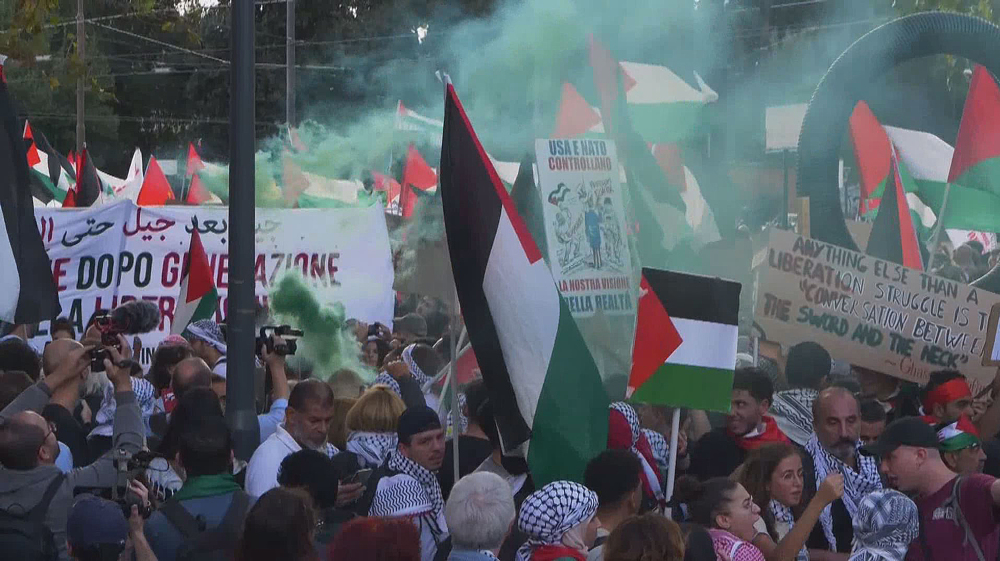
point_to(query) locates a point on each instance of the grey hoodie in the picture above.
(20, 491)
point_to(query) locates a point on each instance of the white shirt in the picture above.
(262, 471)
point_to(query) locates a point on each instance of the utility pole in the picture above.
(81, 52)
(290, 62)
(241, 410)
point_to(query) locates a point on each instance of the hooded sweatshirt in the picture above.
(20, 491)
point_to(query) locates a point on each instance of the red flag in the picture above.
(872, 153)
(197, 194)
(417, 172)
(390, 186)
(576, 116)
(194, 163)
(893, 236)
(155, 188)
(70, 200)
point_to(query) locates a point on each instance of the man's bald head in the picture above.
(56, 352)
(837, 422)
(190, 373)
(21, 437)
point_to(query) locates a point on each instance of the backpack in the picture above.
(959, 519)
(26, 537)
(218, 543)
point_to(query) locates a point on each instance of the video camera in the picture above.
(284, 331)
(129, 466)
(137, 316)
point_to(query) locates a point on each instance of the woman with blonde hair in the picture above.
(371, 425)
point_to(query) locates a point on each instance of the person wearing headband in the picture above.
(947, 396)
(961, 449)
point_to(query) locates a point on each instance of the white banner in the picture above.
(585, 225)
(105, 256)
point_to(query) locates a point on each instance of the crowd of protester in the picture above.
(811, 462)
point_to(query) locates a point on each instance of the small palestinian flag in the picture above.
(684, 353)
(959, 435)
(543, 383)
(198, 299)
(976, 163)
(894, 236)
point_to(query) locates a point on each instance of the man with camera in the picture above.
(29, 481)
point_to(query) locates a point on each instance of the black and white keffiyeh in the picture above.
(660, 447)
(783, 515)
(548, 513)
(792, 410)
(431, 488)
(463, 421)
(886, 523)
(372, 448)
(386, 379)
(209, 332)
(145, 397)
(857, 484)
(415, 371)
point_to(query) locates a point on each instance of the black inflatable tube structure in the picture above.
(843, 85)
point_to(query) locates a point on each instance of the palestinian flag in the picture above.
(88, 184)
(155, 190)
(893, 236)
(976, 163)
(27, 289)
(198, 298)
(661, 105)
(957, 436)
(576, 117)
(416, 173)
(194, 163)
(684, 353)
(52, 176)
(542, 380)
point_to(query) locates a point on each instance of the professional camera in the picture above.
(284, 331)
(137, 316)
(129, 466)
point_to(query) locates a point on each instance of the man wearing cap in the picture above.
(407, 329)
(405, 485)
(947, 397)
(95, 529)
(961, 449)
(959, 514)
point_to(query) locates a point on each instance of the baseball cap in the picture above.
(96, 521)
(908, 431)
(411, 323)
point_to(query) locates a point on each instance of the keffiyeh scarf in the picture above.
(547, 514)
(386, 379)
(651, 475)
(145, 396)
(792, 410)
(660, 447)
(431, 489)
(886, 523)
(783, 515)
(463, 421)
(857, 484)
(372, 448)
(415, 371)
(209, 332)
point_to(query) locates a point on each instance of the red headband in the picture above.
(950, 391)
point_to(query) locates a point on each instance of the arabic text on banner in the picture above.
(109, 255)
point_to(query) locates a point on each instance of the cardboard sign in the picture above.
(585, 225)
(872, 313)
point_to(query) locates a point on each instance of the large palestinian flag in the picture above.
(27, 289)
(684, 353)
(199, 298)
(542, 380)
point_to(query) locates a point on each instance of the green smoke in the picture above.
(325, 342)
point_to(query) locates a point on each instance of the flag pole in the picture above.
(675, 425)
(453, 374)
(939, 227)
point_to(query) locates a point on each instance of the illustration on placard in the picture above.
(587, 229)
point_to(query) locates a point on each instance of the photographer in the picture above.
(28, 450)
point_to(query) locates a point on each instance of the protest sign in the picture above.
(872, 313)
(585, 225)
(105, 256)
